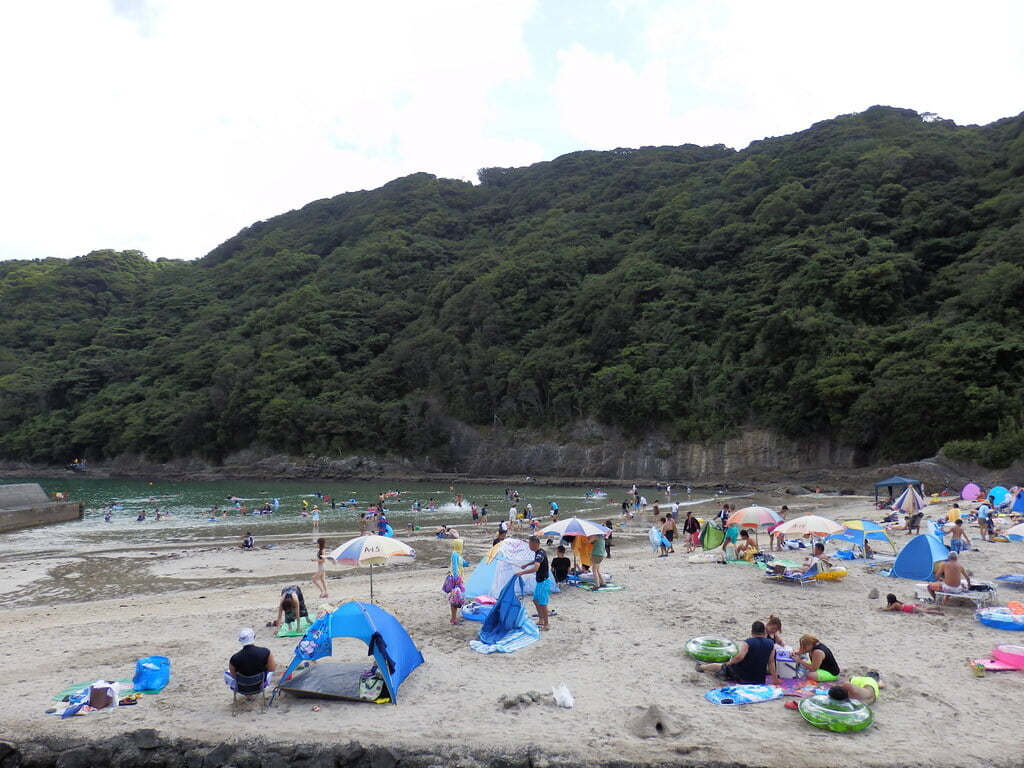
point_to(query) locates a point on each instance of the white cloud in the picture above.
(171, 125)
(167, 125)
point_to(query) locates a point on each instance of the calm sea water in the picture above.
(189, 505)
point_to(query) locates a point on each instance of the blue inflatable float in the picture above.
(1000, 618)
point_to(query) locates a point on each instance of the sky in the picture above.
(166, 126)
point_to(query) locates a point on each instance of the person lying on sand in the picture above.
(896, 605)
(865, 688)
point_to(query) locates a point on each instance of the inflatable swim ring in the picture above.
(834, 575)
(842, 716)
(711, 648)
(1000, 618)
(1011, 655)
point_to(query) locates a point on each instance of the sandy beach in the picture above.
(620, 654)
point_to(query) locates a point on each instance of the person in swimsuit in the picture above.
(821, 665)
(319, 578)
(951, 578)
(691, 528)
(773, 629)
(597, 555)
(895, 605)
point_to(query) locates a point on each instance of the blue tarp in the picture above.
(918, 558)
(507, 628)
(388, 642)
(508, 615)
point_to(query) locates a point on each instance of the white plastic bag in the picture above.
(562, 696)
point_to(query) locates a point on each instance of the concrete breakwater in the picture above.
(23, 505)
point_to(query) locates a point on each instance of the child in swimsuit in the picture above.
(896, 605)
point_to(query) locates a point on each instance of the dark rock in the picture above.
(218, 756)
(348, 754)
(274, 760)
(244, 758)
(382, 757)
(10, 757)
(80, 757)
(145, 738)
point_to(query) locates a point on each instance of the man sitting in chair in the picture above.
(815, 560)
(251, 661)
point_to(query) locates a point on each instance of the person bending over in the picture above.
(821, 665)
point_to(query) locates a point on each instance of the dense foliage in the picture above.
(862, 279)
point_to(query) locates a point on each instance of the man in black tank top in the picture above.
(753, 662)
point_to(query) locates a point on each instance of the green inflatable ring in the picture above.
(711, 648)
(822, 711)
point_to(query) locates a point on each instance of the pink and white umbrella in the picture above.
(810, 525)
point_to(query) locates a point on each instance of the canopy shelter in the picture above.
(895, 484)
(394, 652)
(861, 532)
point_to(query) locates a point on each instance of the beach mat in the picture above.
(734, 695)
(125, 683)
(291, 630)
(800, 687)
(605, 588)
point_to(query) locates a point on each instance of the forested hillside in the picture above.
(863, 279)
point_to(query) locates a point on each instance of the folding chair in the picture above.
(810, 577)
(249, 689)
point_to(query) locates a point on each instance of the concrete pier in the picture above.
(23, 505)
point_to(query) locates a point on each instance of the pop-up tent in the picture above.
(498, 567)
(388, 642)
(711, 535)
(1018, 503)
(897, 484)
(997, 494)
(918, 558)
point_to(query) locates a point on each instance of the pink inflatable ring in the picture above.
(1013, 655)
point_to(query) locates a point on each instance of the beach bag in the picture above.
(457, 596)
(152, 673)
(449, 583)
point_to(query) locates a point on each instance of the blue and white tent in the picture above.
(918, 558)
(388, 642)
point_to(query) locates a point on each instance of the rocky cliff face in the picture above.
(595, 451)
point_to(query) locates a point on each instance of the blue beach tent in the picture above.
(918, 558)
(387, 640)
(1018, 504)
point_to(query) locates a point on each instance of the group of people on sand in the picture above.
(755, 662)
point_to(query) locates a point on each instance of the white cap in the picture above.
(246, 636)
